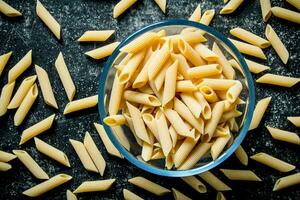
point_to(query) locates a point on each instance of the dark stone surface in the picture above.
(28, 32)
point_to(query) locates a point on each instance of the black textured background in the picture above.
(76, 16)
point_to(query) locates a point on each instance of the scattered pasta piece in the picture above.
(207, 17)
(273, 79)
(265, 6)
(96, 36)
(102, 52)
(241, 154)
(128, 195)
(295, 120)
(220, 196)
(283, 135)
(294, 3)
(214, 181)
(94, 186)
(6, 157)
(4, 166)
(231, 6)
(81, 104)
(122, 6)
(20, 67)
(240, 175)
(255, 67)
(140, 43)
(286, 14)
(8, 10)
(179, 196)
(259, 112)
(195, 183)
(5, 97)
(287, 181)
(196, 16)
(5, 57)
(249, 49)
(71, 196)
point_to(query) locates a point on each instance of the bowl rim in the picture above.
(237, 141)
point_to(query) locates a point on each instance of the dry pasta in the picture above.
(295, 3)
(283, 135)
(220, 196)
(141, 98)
(94, 186)
(20, 67)
(102, 52)
(128, 195)
(286, 14)
(207, 17)
(206, 53)
(170, 84)
(96, 36)
(196, 15)
(140, 43)
(81, 104)
(116, 96)
(5, 57)
(259, 112)
(287, 181)
(4, 166)
(214, 181)
(6, 157)
(255, 67)
(231, 6)
(240, 175)
(6, 94)
(8, 10)
(294, 120)
(218, 146)
(122, 6)
(273, 79)
(161, 4)
(265, 6)
(179, 196)
(249, 49)
(71, 196)
(114, 120)
(195, 183)
(242, 156)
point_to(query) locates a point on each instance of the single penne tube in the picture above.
(94, 186)
(283, 135)
(195, 183)
(83, 155)
(249, 37)
(9, 11)
(6, 157)
(161, 4)
(294, 3)
(206, 53)
(273, 79)
(193, 37)
(30, 164)
(103, 51)
(191, 102)
(111, 149)
(51, 152)
(20, 67)
(209, 94)
(241, 155)
(37, 129)
(179, 196)
(227, 69)
(48, 19)
(221, 131)
(185, 86)
(120, 134)
(157, 154)
(70, 195)
(25, 106)
(173, 135)
(47, 185)
(160, 78)
(205, 71)
(234, 92)
(21, 92)
(220, 196)
(95, 36)
(140, 43)
(255, 67)
(287, 181)
(217, 84)
(128, 195)
(46, 86)
(277, 44)
(141, 98)
(259, 112)
(237, 66)
(116, 96)
(294, 120)
(286, 14)
(206, 109)
(249, 49)
(177, 123)
(149, 186)
(65, 76)
(151, 124)
(4, 166)
(231, 6)
(273, 162)
(5, 57)
(189, 53)
(147, 150)
(81, 104)
(5, 97)
(214, 181)
(114, 120)
(240, 175)
(230, 114)
(183, 65)
(122, 6)
(207, 17)
(196, 15)
(265, 6)
(170, 84)
(163, 133)
(218, 146)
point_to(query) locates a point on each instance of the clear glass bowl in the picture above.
(247, 94)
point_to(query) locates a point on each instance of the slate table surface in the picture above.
(28, 32)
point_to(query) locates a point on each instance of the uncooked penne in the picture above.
(191, 36)
(141, 98)
(273, 79)
(4, 166)
(218, 146)
(161, 4)
(205, 71)
(179, 196)
(51, 152)
(102, 52)
(5, 97)
(206, 109)
(122, 6)
(208, 94)
(217, 84)
(5, 57)
(71, 196)
(294, 3)
(170, 84)
(163, 133)
(286, 14)
(231, 6)
(265, 6)
(206, 53)
(114, 120)
(196, 15)
(48, 19)
(259, 112)
(249, 49)
(128, 195)
(255, 67)
(6, 157)
(47, 185)
(183, 65)
(8, 10)
(185, 86)
(273, 162)
(287, 181)
(81, 104)
(242, 156)
(295, 120)
(46, 86)
(37, 129)
(94, 186)
(220, 196)
(283, 135)
(214, 181)
(96, 36)
(177, 123)
(240, 175)
(30, 164)
(195, 183)
(207, 17)
(140, 43)
(65, 76)
(116, 96)
(149, 186)
(20, 67)
(189, 53)
(192, 103)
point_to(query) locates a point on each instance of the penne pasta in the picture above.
(259, 112)
(47, 185)
(265, 6)
(234, 91)
(220, 196)
(191, 36)
(240, 175)
(185, 86)
(30, 164)
(273, 79)
(294, 3)
(208, 94)
(283, 135)
(177, 123)
(141, 98)
(5, 57)
(287, 181)
(115, 97)
(294, 120)
(205, 71)
(6, 157)
(189, 53)
(192, 103)
(160, 78)
(4, 166)
(179, 196)
(119, 133)
(37, 129)
(20, 67)
(206, 53)
(206, 109)
(71, 196)
(218, 146)
(8, 10)
(231, 6)
(255, 67)
(286, 14)
(161, 4)
(249, 49)
(103, 51)
(122, 6)
(163, 133)
(217, 84)
(128, 195)
(96, 36)
(151, 124)
(48, 19)
(170, 84)
(94, 186)
(183, 66)
(195, 183)
(140, 43)
(5, 97)
(114, 120)
(214, 181)
(81, 104)
(51, 152)
(196, 16)
(207, 17)
(241, 155)
(227, 69)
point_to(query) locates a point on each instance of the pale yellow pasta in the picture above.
(160, 78)
(128, 195)
(231, 6)
(173, 135)
(30, 164)
(179, 196)
(192, 103)
(115, 97)
(195, 183)
(196, 15)
(148, 90)
(140, 42)
(130, 125)
(103, 51)
(47, 185)
(240, 175)
(295, 120)
(71, 196)
(259, 112)
(5, 97)
(45, 86)
(207, 17)
(209, 94)
(249, 37)
(51, 152)
(81, 104)
(8, 10)
(147, 150)
(48, 19)
(170, 84)
(189, 53)
(242, 156)
(273, 162)
(294, 3)
(122, 6)
(177, 123)
(5, 57)
(96, 36)
(83, 155)
(114, 120)
(234, 92)
(277, 44)
(204, 71)
(4, 166)
(217, 84)
(94, 186)
(20, 67)
(25, 106)
(273, 79)
(37, 129)
(163, 133)
(149, 186)
(265, 6)
(192, 36)
(214, 181)
(119, 133)
(6, 157)
(111, 149)
(287, 181)
(283, 135)
(151, 124)
(206, 53)
(206, 109)
(227, 69)
(65, 76)
(218, 146)
(286, 14)
(161, 4)
(255, 67)
(141, 98)
(185, 86)
(249, 49)
(220, 196)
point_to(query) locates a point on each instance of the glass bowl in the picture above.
(242, 74)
